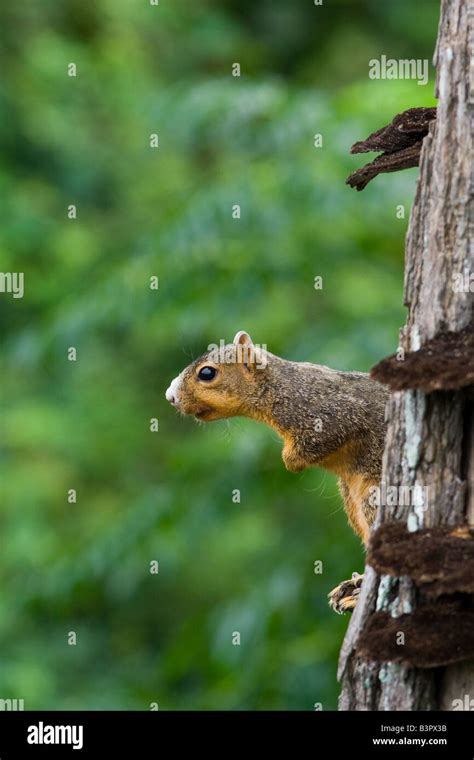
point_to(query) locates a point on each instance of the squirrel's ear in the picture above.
(248, 354)
(242, 338)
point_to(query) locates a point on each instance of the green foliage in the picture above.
(167, 496)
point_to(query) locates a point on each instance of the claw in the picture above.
(344, 597)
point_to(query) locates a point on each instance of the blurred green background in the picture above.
(166, 212)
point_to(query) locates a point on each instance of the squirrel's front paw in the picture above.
(344, 597)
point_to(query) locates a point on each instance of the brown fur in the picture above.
(326, 418)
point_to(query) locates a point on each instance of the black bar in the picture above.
(162, 734)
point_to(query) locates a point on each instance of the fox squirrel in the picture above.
(326, 418)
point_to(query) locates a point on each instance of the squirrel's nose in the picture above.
(172, 392)
(170, 396)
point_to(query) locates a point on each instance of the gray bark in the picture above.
(430, 437)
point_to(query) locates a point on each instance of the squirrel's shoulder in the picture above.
(322, 372)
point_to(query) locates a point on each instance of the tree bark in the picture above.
(430, 435)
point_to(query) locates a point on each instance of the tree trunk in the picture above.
(430, 435)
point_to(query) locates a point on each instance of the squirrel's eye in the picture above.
(207, 373)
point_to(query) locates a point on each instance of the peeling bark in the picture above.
(430, 438)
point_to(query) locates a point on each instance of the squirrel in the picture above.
(325, 417)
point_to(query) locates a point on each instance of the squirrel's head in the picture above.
(223, 382)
